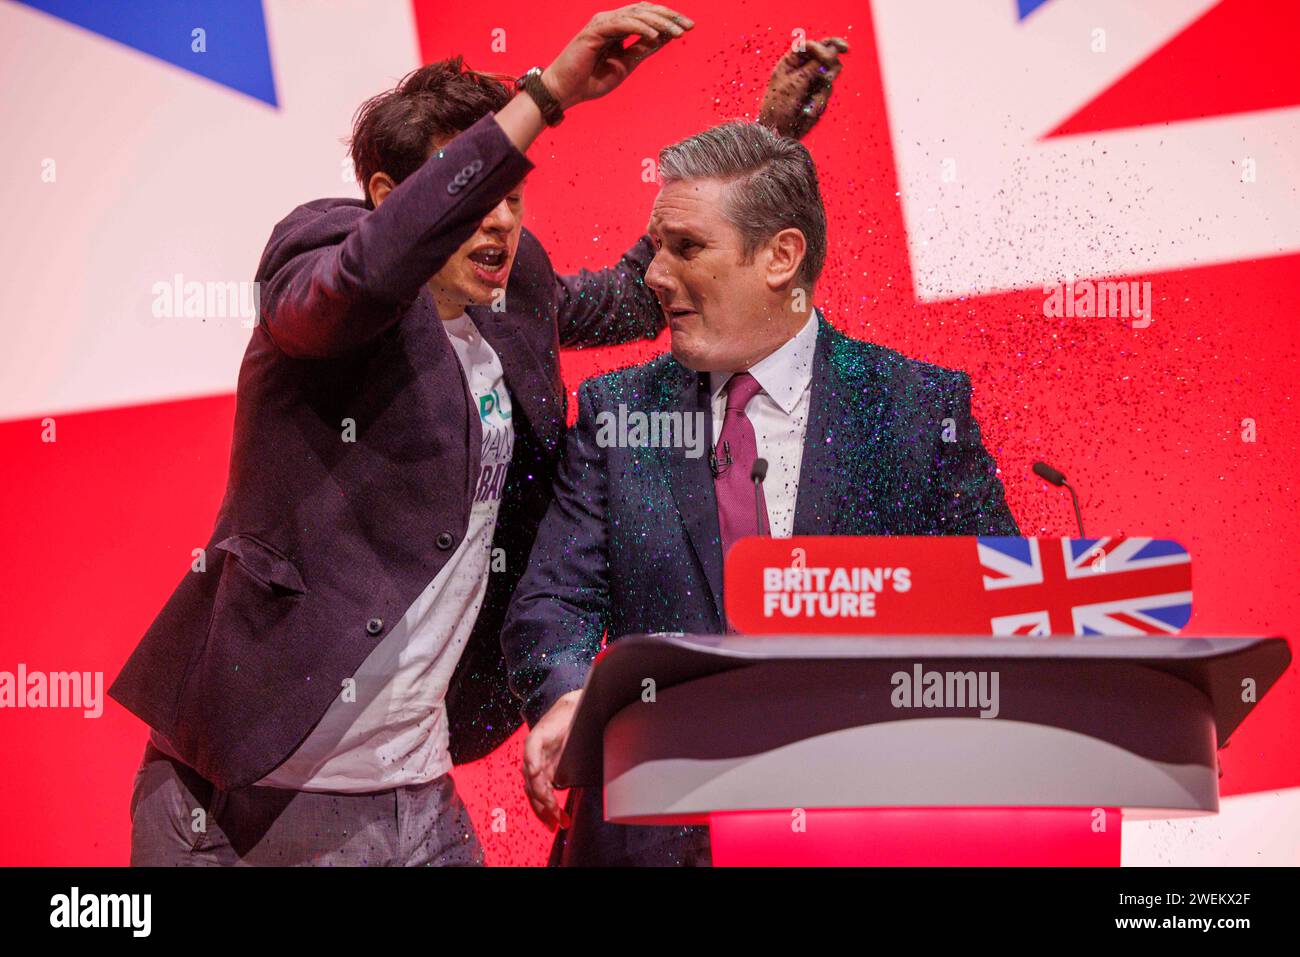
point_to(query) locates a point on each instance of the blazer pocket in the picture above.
(265, 563)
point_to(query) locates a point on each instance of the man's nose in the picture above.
(501, 219)
(659, 279)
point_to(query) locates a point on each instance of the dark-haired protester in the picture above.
(335, 648)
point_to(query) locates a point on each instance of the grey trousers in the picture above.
(180, 819)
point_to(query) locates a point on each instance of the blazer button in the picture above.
(374, 626)
(445, 540)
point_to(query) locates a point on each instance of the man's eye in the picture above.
(685, 246)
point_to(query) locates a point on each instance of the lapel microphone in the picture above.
(716, 467)
(756, 475)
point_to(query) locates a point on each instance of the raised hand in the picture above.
(800, 87)
(596, 60)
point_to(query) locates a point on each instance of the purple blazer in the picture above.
(322, 544)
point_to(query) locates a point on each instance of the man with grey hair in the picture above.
(859, 440)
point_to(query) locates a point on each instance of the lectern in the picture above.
(884, 750)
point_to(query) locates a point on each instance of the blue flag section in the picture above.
(220, 41)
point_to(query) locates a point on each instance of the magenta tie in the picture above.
(736, 451)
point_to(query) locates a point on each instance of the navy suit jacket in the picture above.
(321, 544)
(631, 542)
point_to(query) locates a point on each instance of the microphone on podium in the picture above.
(756, 475)
(1057, 478)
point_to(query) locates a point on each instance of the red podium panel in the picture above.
(917, 837)
(958, 585)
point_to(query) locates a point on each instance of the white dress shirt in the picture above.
(779, 414)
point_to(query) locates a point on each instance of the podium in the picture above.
(898, 750)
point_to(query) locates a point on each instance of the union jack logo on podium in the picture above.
(1037, 587)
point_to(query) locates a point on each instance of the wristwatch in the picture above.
(531, 83)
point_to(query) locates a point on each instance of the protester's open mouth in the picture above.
(489, 263)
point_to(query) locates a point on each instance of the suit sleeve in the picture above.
(560, 609)
(612, 305)
(326, 291)
(971, 499)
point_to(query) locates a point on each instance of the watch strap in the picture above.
(531, 83)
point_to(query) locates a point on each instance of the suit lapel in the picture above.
(843, 448)
(690, 479)
(843, 438)
(526, 377)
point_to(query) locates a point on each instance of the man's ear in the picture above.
(786, 251)
(380, 185)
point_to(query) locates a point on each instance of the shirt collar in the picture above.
(785, 373)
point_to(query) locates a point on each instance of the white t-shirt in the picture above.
(394, 730)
